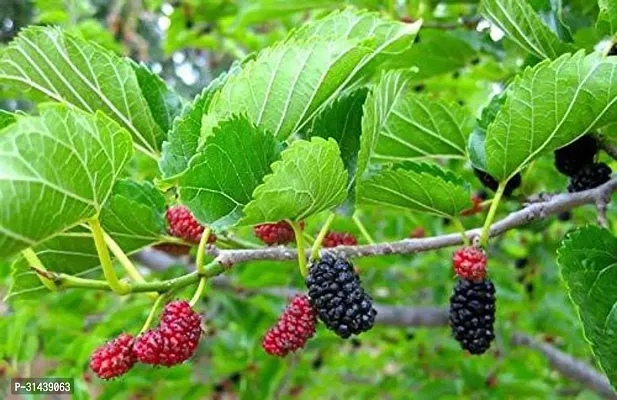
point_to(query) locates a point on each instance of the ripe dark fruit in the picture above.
(564, 216)
(295, 326)
(334, 239)
(174, 340)
(589, 177)
(114, 358)
(521, 263)
(182, 224)
(472, 314)
(490, 183)
(470, 263)
(278, 233)
(572, 158)
(336, 294)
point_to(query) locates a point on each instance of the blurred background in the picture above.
(459, 57)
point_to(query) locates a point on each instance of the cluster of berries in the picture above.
(576, 160)
(472, 305)
(172, 342)
(335, 295)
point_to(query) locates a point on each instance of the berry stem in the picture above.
(199, 292)
(459, 227)
(308, 238)
(492, 212)
(201, 250)
(322, 234)
(155, 306)
(362, 229)
(122, 258)
(35, 261)
(300, 247)
(101, 248)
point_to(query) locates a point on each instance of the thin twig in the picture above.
(569, 366)
(532, 212)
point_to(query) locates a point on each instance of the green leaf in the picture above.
(477, 139)
(342, 121)
(309, 178)
(390, 38)
(48, 63)
(588, 261)
(550, 106)
(400, 125)
(436, 53)
(293, 81)
(134, 216)
(183, 139)
(221, 178)
(281, 89)
(6, 119)
(607, 18)
(523, 26)
(164, 103)
(56, 171)
(417, 187)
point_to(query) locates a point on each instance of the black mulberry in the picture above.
(472, 314)
(491, 183)
(591, 176)
(573, 157)
(336, 293)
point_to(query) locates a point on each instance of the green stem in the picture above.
(199, 292)
(155, 306)
(491, 213)
(35, 261)
(300, 247)
(459, 227)
(363, 231)
(123, 259)
(322, 234)
(101, 248)
(308, 238)
(201, 250)
(65, 281)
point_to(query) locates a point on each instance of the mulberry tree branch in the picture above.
(532, 212)
(568, 366)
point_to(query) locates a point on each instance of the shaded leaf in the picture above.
(342, 121)
(400, 125)
(436, 52)
(56, 171)
(183, 140)
(164, 103)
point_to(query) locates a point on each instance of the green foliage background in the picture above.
(456, 64)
